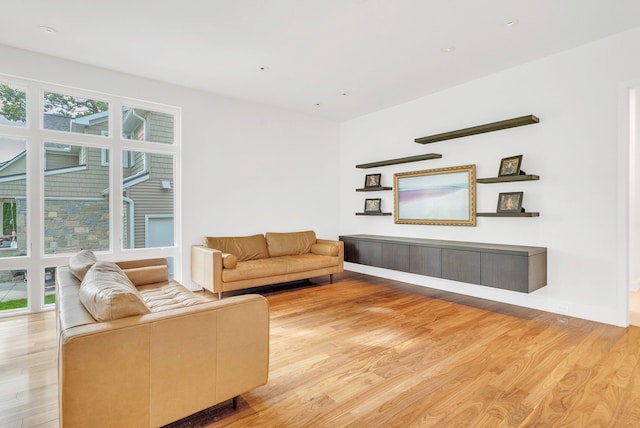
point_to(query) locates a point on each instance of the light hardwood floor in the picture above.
(370, 352)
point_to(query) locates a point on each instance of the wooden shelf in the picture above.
(373, 189)
(400, 160)
(373, 213)
(480, 129)
(507, 178)
(531, 214)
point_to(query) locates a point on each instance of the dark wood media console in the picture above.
(510, 267)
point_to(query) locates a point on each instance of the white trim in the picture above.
(65, 170)
(135, 179)
(132, 221)
(14, 177)
(623, 202)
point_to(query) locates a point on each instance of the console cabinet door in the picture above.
(425, 261)
(505, 271)
(461, 265)
(351, 251)
(370, 253)
(395, 256)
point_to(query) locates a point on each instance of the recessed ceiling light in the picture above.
(511, 23)
(47, 30)
(448, 49)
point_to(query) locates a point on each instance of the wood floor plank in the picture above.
(371, 352)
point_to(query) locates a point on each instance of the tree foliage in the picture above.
(66, 105)
(13, 102)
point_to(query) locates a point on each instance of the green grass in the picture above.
(22, 303)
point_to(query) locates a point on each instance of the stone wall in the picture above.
(76, 225)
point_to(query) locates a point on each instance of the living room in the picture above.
(248, 167)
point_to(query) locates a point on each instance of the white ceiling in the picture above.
(378, 52)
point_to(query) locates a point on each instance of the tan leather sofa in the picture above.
(146, 366)
(233, 263)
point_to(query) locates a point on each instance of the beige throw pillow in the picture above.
(147, 274)
(81, 262)
(325, 249)
(229, 261)
(108, 294)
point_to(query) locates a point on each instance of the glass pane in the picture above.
(13, 289)
(49, 285)
(74, 114)
(13, 202)
(13, 105)
(148, 201)
(146, 125)
(76, 199)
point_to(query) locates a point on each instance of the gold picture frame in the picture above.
(441, 196)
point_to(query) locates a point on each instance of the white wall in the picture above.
(246, 168)
(579, 150)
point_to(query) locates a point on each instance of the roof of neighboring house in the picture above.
(5, 164)
(57, 122)
(78, 124)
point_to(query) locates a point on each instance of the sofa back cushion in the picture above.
(81, 262)
(291, 243)
(107, 293)
(243, 247)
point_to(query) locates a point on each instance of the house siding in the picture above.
(148, 196)
(160, 127)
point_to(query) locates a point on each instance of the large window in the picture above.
(99, 171)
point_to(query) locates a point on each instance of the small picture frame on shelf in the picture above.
(510, 166)
(372, 180)
(372, 205)
(510, 202)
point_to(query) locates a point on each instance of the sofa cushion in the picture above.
(243, 247)
(108, 294)
(277, 266)
(81, 262)
(290, 244)
(325, 249)
(169, 296)
(147, 274)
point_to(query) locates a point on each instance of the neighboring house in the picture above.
(77, 186)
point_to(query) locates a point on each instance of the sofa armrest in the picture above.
(206, 268)
(339, 244)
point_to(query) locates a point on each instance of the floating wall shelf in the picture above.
(373, 213)
(506, 178)
(480, 129)
(373, 189)
(400, 160)
(531, 214)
